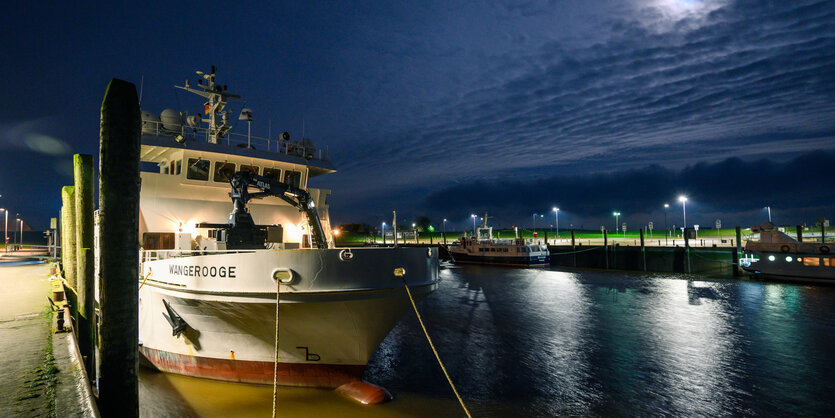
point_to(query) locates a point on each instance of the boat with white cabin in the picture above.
(482, 248)
(779, 256)
(208, 291)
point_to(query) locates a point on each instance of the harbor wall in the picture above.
(713, 261)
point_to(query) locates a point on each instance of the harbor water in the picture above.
(548, 341)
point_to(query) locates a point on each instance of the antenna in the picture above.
(141, 85)
(302, 127)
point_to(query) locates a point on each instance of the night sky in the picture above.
(450, 108)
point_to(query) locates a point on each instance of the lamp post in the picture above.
(617, 216)
(6, 231)
(683, 200)
(666, 228)
(472, 215)
(444, 226)
(769, 213)
(557, 220)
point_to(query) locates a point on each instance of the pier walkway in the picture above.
(40, 372)
(25, 332)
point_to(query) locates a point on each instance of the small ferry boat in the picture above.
(779, 256)
(484, 249)
(211, 279)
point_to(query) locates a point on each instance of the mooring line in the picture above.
(145, 280)
(275, 361)
(425, 332)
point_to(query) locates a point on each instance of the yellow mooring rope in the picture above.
(145, 280)
(275, 362)
(425, 332)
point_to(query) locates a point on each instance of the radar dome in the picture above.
(150, 122)
(171, 119)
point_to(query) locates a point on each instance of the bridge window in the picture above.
(198, 169)
(174, 167)
(158, 240)
(293, 178)
(249, 169)
(224, 172)
(272, 173)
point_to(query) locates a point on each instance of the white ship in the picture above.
(779, 256)
(484, 249)
(207, 297)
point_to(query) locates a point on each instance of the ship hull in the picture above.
(331, 318)
(532, 261)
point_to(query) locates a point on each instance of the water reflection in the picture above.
(545, 342)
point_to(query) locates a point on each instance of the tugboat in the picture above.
(779, 256)
(211, 279)
(484, 249)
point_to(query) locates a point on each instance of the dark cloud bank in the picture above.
(794, 189)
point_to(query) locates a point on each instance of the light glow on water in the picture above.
(544, 342)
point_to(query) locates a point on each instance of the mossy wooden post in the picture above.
(68, 253)
(737, 251)
(643, 251)
(606, 248)
(119, 249)
(573, 248)
(83, 165)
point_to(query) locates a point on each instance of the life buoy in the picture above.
(824, 249)
(784, 248)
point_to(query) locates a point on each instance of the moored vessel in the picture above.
(211, 279)
(779, 256)
(484, 249)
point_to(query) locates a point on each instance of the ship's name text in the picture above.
(203, 271)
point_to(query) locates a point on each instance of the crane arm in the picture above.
(299, 198)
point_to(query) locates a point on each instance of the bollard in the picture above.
(643, 250)
(119, 250)
(84, 190)
(68, 253)
(606, 248)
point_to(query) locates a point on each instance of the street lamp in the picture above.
(444, 226)
(683, 200)
(769, 213)
(6, 231)
(557, 220)
(666, 228)
(617, 215)
(473, 216)
(383, 233)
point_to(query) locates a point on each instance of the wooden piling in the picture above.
(573, 250)
(119, 250)
(643, 251)
(686, 234)
(606, 248)
(737, 251)
(68, 252)
(799, 229)
(84, 190)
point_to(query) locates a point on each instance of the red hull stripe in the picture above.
(259, 372)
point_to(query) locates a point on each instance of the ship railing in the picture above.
(236, 140)
(154, 255)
